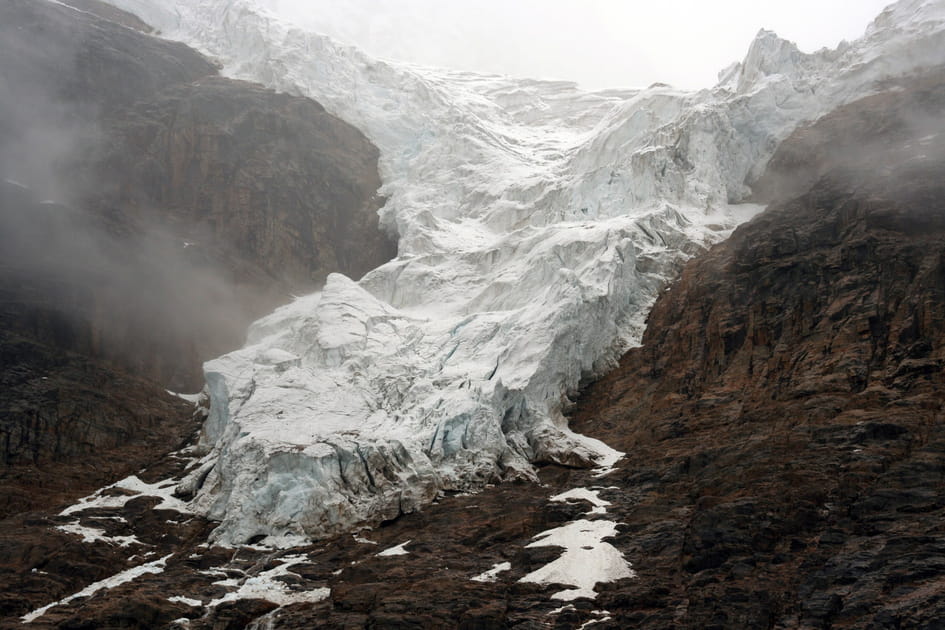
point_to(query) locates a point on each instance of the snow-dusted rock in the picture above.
(535, 225)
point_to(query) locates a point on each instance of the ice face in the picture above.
(535, 225)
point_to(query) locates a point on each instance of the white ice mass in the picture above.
(535, 225)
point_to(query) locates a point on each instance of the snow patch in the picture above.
(584, 494)
(603, 616)
(265, 585)
(180, 599)
(136, 488)
(92, 535)
(587, 560)
(493, 574)
(399, 550)
(191, 398)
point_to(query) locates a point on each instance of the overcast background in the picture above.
(598, 43)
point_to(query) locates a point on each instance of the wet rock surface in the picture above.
(71, 425)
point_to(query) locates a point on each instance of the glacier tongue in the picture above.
(535, 224)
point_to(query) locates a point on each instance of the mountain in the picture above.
(536, 224)
(777, 411)
(784, 410)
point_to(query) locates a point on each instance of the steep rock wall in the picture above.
(783, 417)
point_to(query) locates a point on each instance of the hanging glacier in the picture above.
(535, 223)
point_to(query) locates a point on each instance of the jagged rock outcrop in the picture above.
(783, 417)
(149, 211)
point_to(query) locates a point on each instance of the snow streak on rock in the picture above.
(120, 492)
(493, 574)
(535, 225)
(267, 586)
(116, 580)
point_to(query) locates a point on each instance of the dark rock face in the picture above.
(149, 211)
(69, 424)
(75, 59)
(276, 185)
(206, 202)
(783, 418)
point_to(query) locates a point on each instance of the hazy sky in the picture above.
(599, 43)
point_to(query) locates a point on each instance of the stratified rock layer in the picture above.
(784, 416)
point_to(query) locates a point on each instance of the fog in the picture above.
(598, 43)
(75, 270)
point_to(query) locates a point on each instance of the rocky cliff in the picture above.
(149, 210)
(783, 417)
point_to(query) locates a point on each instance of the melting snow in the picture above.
(92, 535)
(191, 398)
(267, 586)
(603, 616)
(194, 603)
(162, 489)
(493, 574)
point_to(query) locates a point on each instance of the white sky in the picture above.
(598, 43)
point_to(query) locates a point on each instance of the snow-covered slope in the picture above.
(535, 222)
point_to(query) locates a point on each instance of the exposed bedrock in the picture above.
(785, 412)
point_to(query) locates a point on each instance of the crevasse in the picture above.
(535, 225)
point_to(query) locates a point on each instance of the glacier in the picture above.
(535, 224)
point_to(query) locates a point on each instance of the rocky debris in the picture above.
(338, 583)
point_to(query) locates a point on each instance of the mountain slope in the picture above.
(781, 423)
(786, 407)
(535, 225)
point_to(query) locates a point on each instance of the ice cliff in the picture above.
(535, 222)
